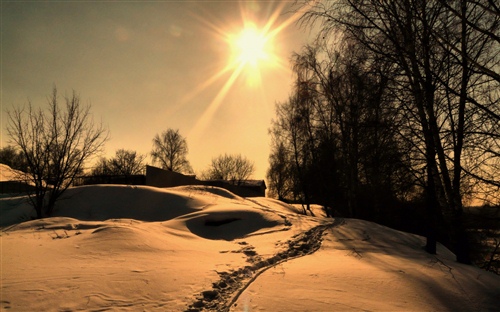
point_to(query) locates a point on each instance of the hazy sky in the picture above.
(149, 66)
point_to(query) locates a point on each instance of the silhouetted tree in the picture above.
(338, 131)
(279, 174)
(101, 167)
(290, 129)
(400, 31)
(444, 54)
(234, 168)
(170, 151)
(125, 162)
(55, 143)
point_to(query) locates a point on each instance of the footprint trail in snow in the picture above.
(226, 291)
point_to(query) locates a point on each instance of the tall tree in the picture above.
(170, 151)
(400, 32)
(55, 143)
(430, 47)
(339, 131)
(289, 129)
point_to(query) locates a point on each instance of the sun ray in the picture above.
(206, 84)
(251, 51)
(207, 115)
(172, 109)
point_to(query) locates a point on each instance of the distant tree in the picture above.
(101, 167)
(55, 143)
(125, 162)
(234, 168)
(170, 150)
(13, 158)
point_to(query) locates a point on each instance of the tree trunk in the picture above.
(432, 209)
(461, 239)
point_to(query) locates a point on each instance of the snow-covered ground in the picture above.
(136, 248)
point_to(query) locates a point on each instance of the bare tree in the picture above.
(290, 129)
(233, 168)
(477, 19)
(55, 143)
(443, 62)
(125, 162)
(338, 132)
(170, 150)
(101, 167)
(279, 173)
(401, 32)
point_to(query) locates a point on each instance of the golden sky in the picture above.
(212, 69)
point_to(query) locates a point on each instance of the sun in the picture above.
(251, 46)
(251, 52)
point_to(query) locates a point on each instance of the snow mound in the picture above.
(103, 202)
(227, 222)
(14, 210)
(123, 238)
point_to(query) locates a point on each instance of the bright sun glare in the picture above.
(251, 46)
(251, 51)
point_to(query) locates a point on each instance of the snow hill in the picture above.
(136, 248)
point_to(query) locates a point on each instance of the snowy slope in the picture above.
(204, 249)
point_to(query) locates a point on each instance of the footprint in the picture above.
(5, 304)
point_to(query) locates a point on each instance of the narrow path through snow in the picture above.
(226, 291)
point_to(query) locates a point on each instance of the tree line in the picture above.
(396, 101)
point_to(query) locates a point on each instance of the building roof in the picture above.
(9, 174)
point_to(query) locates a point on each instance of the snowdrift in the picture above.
(200, 248)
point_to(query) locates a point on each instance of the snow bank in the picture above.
(103, 202)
